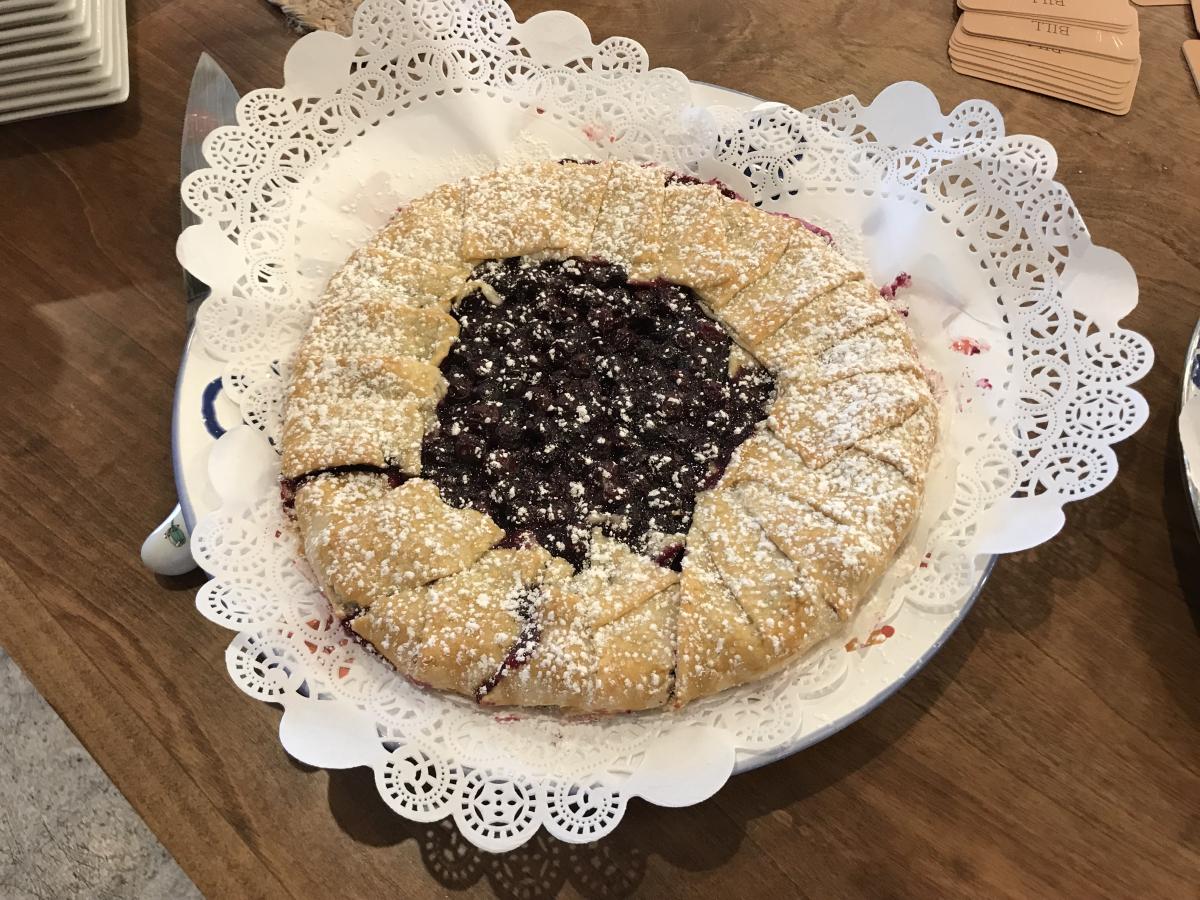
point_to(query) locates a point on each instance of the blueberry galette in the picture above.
(599, 436)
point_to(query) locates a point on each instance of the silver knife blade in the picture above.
(212, 102)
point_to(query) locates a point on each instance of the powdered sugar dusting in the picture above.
(460, 595)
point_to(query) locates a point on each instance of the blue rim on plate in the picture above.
(186, 506)
(1191, 391)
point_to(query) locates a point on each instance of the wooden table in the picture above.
(1052, 746)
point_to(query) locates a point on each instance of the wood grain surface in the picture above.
(1051, 748)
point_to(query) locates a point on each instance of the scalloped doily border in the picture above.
(774, 171)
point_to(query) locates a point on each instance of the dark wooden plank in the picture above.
(1050, 748)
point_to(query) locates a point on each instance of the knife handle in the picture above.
(166, 550)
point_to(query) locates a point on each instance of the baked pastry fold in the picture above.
(780, 546)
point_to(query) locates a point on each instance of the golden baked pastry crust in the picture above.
(781, 550)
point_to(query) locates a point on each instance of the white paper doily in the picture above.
(1012, 304)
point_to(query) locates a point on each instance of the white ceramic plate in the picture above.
(69, 21)
(66, 45)
(97, 77)
(112, 87)
(8, 6)
(202, 413)
(45, 12)
(54, 67)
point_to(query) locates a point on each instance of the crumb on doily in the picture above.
(888, 291)
(969, 346)
(876, 637)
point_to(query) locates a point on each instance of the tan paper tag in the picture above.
(1111, 15)
(1011, 80)
(1103, 89)
(1069, 70)
(1046, 83)
(1191, 52)
(1053, 34)
(1062, 94)
(1109, 71)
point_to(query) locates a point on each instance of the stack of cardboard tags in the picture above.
(1084, 51)
(1191, 49)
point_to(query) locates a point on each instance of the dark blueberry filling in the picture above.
(815, 229)
(726, 190)
(522, 648)
(584, 401)
(672, 177)
(670, 556)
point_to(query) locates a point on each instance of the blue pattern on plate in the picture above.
(208, 409)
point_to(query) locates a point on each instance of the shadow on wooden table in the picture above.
(66, 131)
(1181, 525)
(1184, 536)
(188, 582)
(613, 867)
(1040, 574)
(697, 838)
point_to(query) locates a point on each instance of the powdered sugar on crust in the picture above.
(368, 539)
(780, 551)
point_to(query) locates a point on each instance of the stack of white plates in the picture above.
(61, 55)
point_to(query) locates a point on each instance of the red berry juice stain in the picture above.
(876, 637)
(888, 291)
(969, 346)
